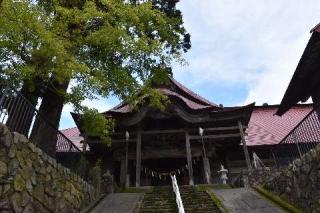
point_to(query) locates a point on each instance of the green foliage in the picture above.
(95, 47)
(95, 174)
(96, 125)
(147, 95)
(105, 46)
(81, 166)
(277, 200)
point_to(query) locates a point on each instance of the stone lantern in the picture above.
(223, 174)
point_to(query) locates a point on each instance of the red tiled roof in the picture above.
(73, 134)
(265, 128)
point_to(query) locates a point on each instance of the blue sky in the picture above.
(242, 51)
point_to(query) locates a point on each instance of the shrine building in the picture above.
(191, 138)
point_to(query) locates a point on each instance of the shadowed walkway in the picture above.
(243, 200)
(118, 203)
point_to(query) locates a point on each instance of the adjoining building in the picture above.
(267, 133)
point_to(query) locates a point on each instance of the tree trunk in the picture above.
(44, 132)
(21, 111)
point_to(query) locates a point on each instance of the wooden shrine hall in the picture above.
(191, 138)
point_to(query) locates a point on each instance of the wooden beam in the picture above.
(189, 159)
(138, 159)
(113, 141)
(152, 153)
(165, 131)
(224, 128)
(126, 165)
(192, 137)
(245, 149)
(168, 131)
(217, 136)
(206, 169)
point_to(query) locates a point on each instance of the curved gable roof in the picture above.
(175, 89)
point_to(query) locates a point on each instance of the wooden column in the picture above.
(126, 165)
(123, 174)
(189, 159)
(128, 176)
(245, 149)
(138, 159)
(207, 169)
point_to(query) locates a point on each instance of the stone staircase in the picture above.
(162, 199)
(195, 201)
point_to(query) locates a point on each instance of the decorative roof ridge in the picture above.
(115, 107)
(301, 105)
(69, 128)
(315, 28)
(194, 96)
(191, 93)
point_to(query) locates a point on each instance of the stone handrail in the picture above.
(177, 192)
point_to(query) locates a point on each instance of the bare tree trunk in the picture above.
(44, 132)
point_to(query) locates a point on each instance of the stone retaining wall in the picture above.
(31, 181)
(258, 177)
(299, 183)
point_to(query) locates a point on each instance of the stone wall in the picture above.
(31, 181)
(258, 177)
(299, 183)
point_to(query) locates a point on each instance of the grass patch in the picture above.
(277, 200)
(205, 187)
(134, 190)
(218, 202)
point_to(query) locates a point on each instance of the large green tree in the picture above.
(66, 51)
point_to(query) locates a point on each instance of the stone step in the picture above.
(195, 201)
(162, 199)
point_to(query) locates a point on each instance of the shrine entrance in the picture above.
(156, 172)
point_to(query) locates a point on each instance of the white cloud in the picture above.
(253, 43)
(256, 43)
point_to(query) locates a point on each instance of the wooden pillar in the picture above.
(138, 159)
(123, 174)
(189, 159)
(127, 181)
(128, 176)
(245, 149)
(207, 169)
